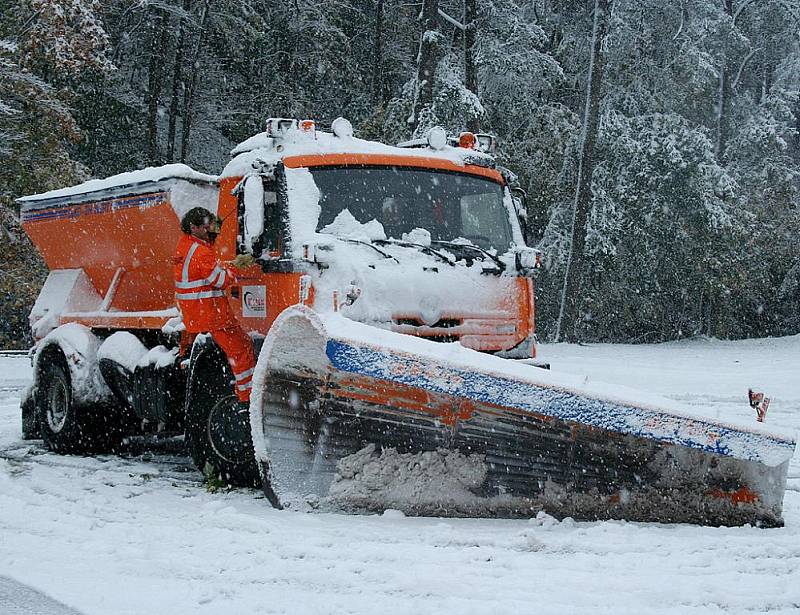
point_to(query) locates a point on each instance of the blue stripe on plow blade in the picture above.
(648, 423)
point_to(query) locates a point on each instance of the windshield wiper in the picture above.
(369, 245)
(474, 248)
(421, 247)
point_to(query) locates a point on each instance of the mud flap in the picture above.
(30, 426)
(152, 393)
(346, 416)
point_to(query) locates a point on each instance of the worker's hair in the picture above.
(196, 216)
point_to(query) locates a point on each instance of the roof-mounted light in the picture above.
(437, 137)
(342, 128)
(466, 140)
(278, 126)
(308, 127)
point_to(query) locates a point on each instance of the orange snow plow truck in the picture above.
(391, 308)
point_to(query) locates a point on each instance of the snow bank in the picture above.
(370, 480)
(93, 532)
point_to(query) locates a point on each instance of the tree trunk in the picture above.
(426, 60)
(723, 111)
(177, 80)
(571, 292)
(797, 129)
(158, 45)
(470, 74)
(188, 94)
(725, 93)
(377, 56)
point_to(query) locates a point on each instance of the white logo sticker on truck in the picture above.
(254, 301)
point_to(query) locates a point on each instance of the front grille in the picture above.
(434, 332)
(444, 323)
(487, 332)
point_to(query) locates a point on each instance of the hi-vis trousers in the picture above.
(238, 348)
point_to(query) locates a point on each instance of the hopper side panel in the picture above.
(138, 233)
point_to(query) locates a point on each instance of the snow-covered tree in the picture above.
(46, 48)
(65, 38)
(197, 77)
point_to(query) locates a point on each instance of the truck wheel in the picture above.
(217, 432)
(65, 426)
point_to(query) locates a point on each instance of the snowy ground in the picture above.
(138, 534)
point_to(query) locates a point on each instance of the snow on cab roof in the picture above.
(255, 152)
(131, 179)
(263, 149)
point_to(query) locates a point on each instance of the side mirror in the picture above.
(253, 210)
(528, 259)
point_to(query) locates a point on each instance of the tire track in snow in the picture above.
(133, 461)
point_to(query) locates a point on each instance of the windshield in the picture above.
(448, 205)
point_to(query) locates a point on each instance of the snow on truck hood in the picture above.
(397, 278)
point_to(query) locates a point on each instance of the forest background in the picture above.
(692, 221)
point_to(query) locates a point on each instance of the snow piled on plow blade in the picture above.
(356, 418)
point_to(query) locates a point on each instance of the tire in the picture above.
(65, 426)
(218, 436)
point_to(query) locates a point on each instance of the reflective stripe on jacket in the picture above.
(200, 281)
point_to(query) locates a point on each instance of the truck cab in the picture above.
(418, 240)
(423, 239)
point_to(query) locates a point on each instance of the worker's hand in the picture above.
(243, 260)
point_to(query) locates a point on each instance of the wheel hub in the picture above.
(57, 406)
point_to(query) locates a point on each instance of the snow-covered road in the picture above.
(138, 534)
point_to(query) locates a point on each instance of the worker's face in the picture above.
(207, 231)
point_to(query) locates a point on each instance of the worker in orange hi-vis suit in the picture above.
(200, 283)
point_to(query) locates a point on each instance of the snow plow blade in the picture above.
(353, 418)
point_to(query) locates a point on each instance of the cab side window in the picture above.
(270, 240)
